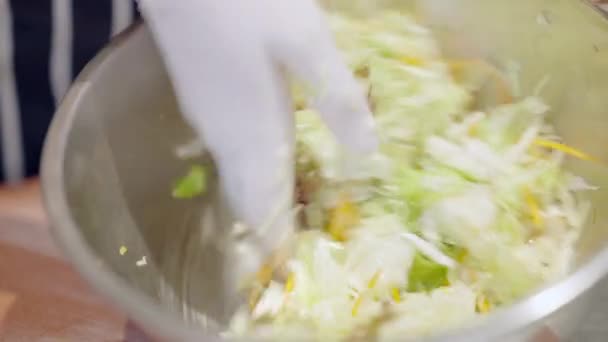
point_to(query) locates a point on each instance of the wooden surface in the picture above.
(41, 297)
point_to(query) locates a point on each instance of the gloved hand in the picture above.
(228, 60)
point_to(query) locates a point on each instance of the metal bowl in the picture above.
(109, 165)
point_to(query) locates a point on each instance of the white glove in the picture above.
(227, 60)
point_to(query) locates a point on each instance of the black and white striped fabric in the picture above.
(43, 45)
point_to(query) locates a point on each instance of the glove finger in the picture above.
(304, 44)
(236, 100)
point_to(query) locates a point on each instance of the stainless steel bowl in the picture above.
(109, 165)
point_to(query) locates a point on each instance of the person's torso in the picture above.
(44, 44)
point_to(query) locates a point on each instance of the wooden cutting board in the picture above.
(41, 297)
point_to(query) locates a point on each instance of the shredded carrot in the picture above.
(374, 280)
(482, 304)
(564, 148)
(342, 217)
(290, 283)
(396, 294)
(534, 208)
(473, 130)
(462, 255)
(356, 306)
(412, 60)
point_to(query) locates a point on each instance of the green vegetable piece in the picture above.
(191, 185)
(455, 252)
(426, 275)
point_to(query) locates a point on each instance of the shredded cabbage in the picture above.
(460, 212)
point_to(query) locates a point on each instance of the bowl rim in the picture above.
(159, 321)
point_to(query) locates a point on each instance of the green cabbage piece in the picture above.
(191, 185)
(426, 275)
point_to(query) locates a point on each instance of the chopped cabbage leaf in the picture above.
(191, 185)
(426, 275)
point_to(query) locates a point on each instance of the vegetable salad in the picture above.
(461, 211)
